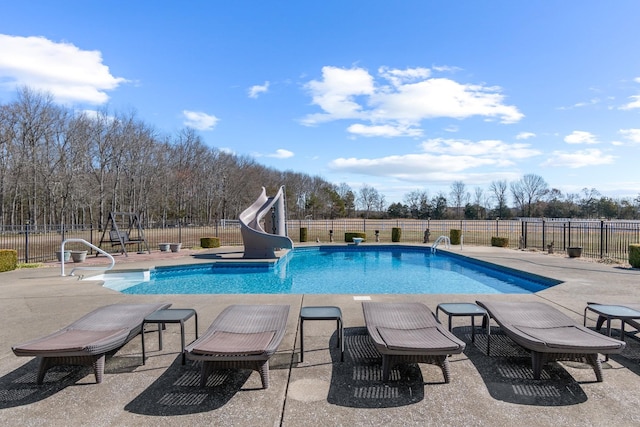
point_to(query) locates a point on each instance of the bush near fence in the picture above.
(8, 259)
(599, 239)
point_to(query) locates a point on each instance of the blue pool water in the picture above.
(341, 270)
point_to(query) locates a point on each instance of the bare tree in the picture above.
(418, 204)
(460, 196)
(499, 190)
(368, 198)
(528, 192)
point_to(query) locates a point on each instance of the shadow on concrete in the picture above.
(19, 387)
(357, 382)
(177, 391)
(630, 356)
(508, 373)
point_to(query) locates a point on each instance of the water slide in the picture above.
(259, 243)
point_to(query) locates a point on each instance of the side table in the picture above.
(465, 309)
(322, 313)
(169, 315)
(610, 312)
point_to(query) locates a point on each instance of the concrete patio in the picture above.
(494, 390)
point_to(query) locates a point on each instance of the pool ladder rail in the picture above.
(98, 268)
(441, 239)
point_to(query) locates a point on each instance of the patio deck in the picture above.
(496, 390)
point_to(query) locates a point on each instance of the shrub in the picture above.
(209, 242)
(303, 234)
(501, 242)
(455, 236)
(8, 259)
(396, 233)
(348, 236)
(634, 255)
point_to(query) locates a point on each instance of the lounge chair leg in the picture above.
(205, 370)
(386, 368)
(98, 368)
(592, 359)
(537, 362)
(444, 365)
(264, 374)
(43, 367)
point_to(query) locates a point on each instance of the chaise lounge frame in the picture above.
(423, 339)
(87, 341)
(550, 335)
(247, 326)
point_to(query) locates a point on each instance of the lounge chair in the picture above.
(550, 335)
(409, 333)
(87, 340)
(243, 337)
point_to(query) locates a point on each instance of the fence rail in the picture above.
(598, 239)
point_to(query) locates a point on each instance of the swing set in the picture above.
(124, 229)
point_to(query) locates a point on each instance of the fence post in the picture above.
(601, 239)
(544, 240)
(26, 242)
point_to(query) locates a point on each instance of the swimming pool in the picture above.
(358, 270)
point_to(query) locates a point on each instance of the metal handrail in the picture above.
(440, 239)
(97, 268)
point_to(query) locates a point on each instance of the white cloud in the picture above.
(442, 160)
(422, 168)
(633, 135)
(592, 101)
(62, 69)
(336, 93)
(579, 159)
(281, 153)
(525, 135)
(493, 149)
(256, 90)
(400, 77)
(383, 130)
(199, 120)
(580, 137)
(635, 103)
(401, 99)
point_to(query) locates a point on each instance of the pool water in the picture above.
(339, 270)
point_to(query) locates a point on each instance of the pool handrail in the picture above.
(96, 268)
(439, 240)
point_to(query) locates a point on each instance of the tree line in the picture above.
(60, 166)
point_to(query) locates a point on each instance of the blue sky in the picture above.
(402, 96)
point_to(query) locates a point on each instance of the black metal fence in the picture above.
(598, 239)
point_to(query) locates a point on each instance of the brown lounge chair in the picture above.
(243, 337)
(409, 333)
(550, 335)
(87, 340)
